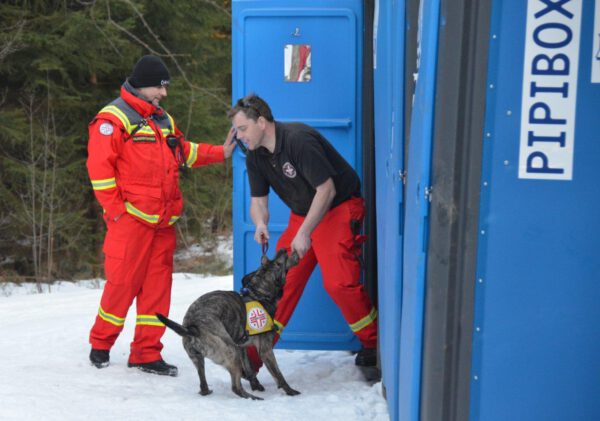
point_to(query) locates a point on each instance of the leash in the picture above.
(264, 248)
(264, 245)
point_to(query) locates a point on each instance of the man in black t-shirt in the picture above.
(323, 192)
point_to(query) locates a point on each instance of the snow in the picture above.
(221, 249)
(46, 374)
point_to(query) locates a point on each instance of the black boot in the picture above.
(156, 367)
(99, 357)
(366, 357)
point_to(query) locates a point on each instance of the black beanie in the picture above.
(149, 71)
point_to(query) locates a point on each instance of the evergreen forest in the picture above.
(60, 63)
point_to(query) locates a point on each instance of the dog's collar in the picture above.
(247, 295)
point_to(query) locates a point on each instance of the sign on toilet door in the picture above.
(549, 95)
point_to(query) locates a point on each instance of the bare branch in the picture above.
(11, 46)
(3, 96)
(172, 56)
(217, 6)
(190, 108)
(120, 28)
(93, 4)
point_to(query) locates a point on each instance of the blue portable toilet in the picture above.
(507, 327)
(266, 34)
(536, 336)
(496, 315)
(486, 195)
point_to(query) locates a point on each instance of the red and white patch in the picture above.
(289, 170)
(106, 129)
(257, 318)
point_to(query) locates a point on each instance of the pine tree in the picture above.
(60, 62)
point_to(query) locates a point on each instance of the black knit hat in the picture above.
(149, 71)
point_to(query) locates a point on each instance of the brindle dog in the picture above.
(215, 327)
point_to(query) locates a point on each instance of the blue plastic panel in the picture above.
(416, 231)
(536, 342)
(389, 156)
(330, 102)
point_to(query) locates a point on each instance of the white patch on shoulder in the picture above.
(106, 129)
(289, 170)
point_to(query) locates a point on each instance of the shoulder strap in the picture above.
(132, 121)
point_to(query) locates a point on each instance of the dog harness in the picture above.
(258, 320)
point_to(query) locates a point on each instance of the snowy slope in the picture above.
(46, 374)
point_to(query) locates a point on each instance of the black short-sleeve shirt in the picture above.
(302, 161)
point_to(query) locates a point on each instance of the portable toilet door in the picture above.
(270, 39)
(389, 100)
(536, 336)
(402, 211)
(511, 327)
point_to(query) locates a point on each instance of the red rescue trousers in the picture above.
(335, 247)
(138, 264)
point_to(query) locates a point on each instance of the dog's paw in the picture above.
(205, 392)
(255, 385)
(243, 394)
(291, 392)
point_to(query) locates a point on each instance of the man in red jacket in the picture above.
(135, 153)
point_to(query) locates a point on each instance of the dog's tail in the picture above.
(180, 330)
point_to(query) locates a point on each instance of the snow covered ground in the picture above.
(46, 374)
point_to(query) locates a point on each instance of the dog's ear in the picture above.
(247, 278)
(292, 260)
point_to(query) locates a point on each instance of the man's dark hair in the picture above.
(253, 107)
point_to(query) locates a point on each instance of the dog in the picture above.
(216, 326)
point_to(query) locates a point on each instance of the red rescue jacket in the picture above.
(139, 174)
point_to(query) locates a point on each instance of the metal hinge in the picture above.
(402, 175)
(428, 193)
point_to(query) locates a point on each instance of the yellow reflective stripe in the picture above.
(111, 318)
(107, 183)
(279, 325)
(111, 109)
(365, 321)
(172, 123)
(193, 154)
(149, 131)
(173, 219)
(153, 219)
(147, 319)
(145, 131)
